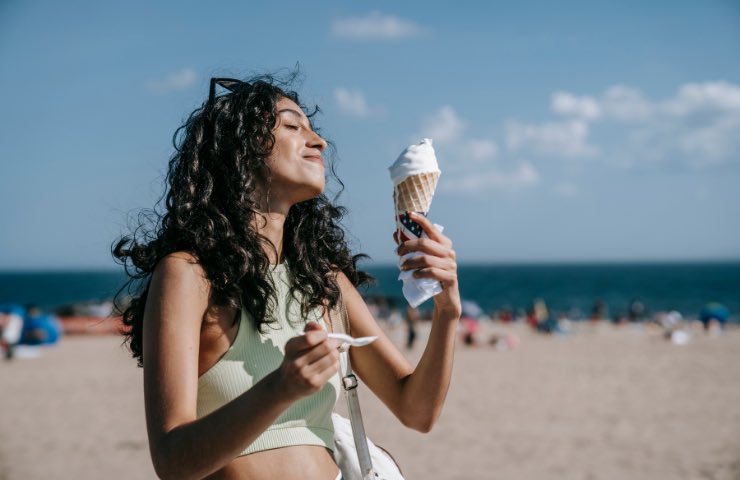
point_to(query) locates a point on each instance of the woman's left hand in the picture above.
(438, 261)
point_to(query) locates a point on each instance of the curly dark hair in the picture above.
(209, 208)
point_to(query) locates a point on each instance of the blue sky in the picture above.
(565, 131)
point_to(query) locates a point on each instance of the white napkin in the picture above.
(418, 290)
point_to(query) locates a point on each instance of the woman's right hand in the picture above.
(310, 361)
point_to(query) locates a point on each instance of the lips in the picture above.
(315, 158)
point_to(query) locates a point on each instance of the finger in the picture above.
(314, 354)
(317, 377)
(329, 371)
(426, 261)
(395, 237)
(445, 277)
(308, 371)
(307, 341)
(312, 326)
(326, 361)
(431, 231)
(424, 245)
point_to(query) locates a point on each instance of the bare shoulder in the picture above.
(344, 283)
(349, 292)
(184, 270)
(179, 279)
(182, 264)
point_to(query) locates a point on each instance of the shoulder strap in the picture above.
(338, 318)
(349, 383)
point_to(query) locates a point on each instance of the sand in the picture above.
(600, 403)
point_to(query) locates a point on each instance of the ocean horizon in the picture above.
(570, 288)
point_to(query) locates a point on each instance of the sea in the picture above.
(571, 289)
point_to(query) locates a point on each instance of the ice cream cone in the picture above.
(415, 193)
(414, 175)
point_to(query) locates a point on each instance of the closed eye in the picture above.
(293, 119)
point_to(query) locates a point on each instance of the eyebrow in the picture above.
(294, 113)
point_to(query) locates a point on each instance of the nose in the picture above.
(317, 142)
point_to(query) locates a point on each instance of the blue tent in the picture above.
(714, 311)
(40, 329)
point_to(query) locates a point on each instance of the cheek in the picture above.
(276, 162)
(275, 153)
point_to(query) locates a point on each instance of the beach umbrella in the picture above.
(471, 309)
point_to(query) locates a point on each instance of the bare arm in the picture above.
(185, 447)
(415, 396)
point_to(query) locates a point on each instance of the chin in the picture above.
(311, 191)
(319, 186)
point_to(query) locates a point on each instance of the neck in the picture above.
(270, 222)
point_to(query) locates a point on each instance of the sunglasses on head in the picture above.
(230, 84)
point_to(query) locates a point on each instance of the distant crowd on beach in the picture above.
(713, 319)
(29, 326)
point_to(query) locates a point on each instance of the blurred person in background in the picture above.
(538, 315)
(598, 310)
(470, 329)
(412, 318)
(636, 311)
(11, 328)
(237, 285)
(505, 315)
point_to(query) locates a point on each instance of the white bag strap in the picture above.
(349, 383)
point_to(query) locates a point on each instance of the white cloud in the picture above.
(479, 150)
(444, 126)
(523, 176)
(471, 166)
(564, 139)
(569, 105)
(702, 97)
(351, 102)
(374, 26)
(625, 104)
(173, 82)
(696, 127)
(712, 144)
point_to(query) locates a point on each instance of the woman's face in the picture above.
(296, 162)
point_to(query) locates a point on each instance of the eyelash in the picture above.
(292, 127)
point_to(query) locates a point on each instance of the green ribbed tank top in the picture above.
(254, 355)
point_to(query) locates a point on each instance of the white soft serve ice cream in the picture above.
(416, 159)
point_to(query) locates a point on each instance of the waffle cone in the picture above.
(415, 192)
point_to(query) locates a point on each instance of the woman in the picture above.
(236, 285)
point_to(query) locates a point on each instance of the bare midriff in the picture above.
(295, 462)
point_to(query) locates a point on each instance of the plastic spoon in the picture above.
(355, 342)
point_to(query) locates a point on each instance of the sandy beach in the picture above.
(600, 403)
